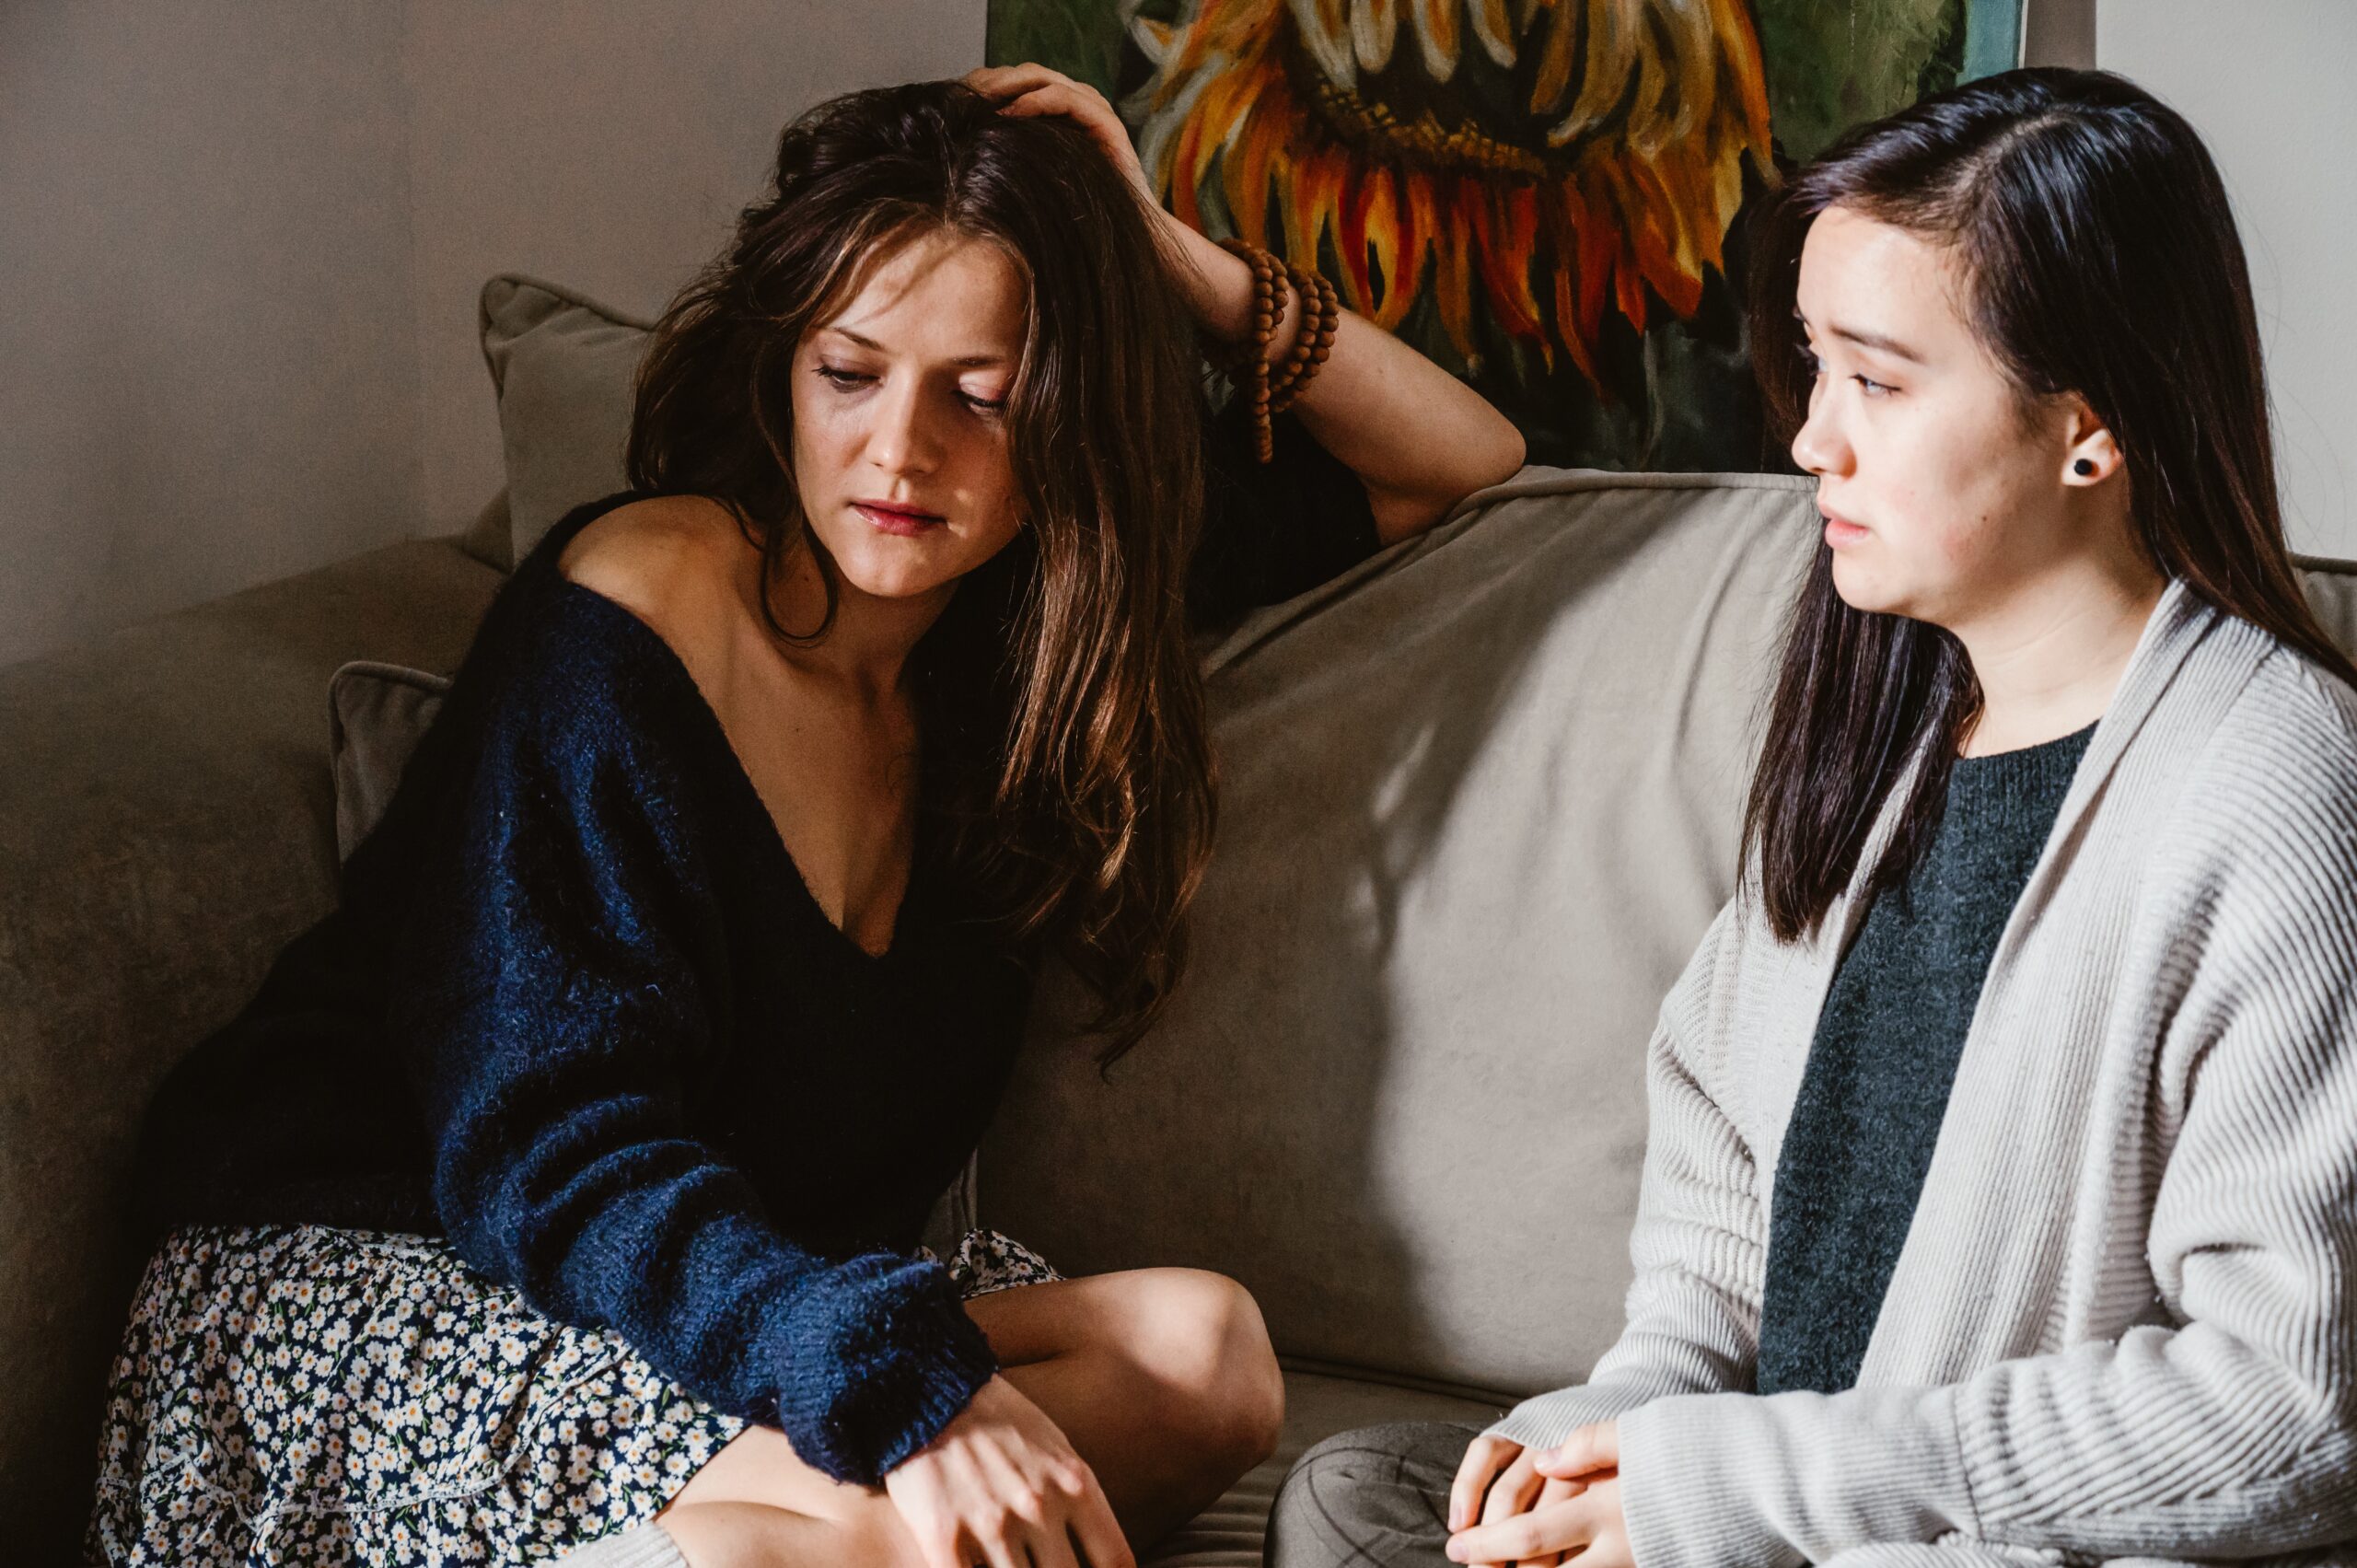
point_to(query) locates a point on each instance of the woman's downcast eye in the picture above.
(843, 381)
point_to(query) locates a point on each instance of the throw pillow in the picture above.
(486, 538)
(377, 713)
(562, 367)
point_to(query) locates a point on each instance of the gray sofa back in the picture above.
(1479, 802)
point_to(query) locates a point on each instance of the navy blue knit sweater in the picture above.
(578, 1011)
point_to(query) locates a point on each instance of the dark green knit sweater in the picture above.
(1879, 1069)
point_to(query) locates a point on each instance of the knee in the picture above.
(1376, 1494)
(1203, 1339)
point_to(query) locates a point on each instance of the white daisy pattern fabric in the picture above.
(316, 1398)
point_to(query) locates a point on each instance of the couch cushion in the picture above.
(1475, 812)
(2332, 590)
(166, 825)
(562, 365)
(1320, 1401)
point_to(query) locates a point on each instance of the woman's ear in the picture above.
(2092, 454)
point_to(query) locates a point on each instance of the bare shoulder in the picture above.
(671, 560)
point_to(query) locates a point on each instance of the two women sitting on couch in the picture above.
(684, 968)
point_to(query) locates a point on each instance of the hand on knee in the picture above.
(1002, 1484)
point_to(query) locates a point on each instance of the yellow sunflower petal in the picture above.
(1375, 27)
(1492, 29)
(1324, 28)
(1436, 35)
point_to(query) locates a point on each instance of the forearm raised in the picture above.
(1418, 438)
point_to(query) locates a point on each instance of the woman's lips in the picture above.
(904, 521)
(1839, 531)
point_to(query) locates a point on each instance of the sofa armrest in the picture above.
(167, 823)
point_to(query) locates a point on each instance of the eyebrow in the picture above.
(1876, 341)
(868, 343)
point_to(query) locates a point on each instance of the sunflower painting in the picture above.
(1544, 195)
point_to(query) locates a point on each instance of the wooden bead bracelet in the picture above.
(1272, 390)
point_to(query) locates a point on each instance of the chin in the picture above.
(888, 568)
(1865, 591)
(899, 579)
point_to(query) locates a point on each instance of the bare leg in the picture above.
(1162, 1378)
(759, 1534)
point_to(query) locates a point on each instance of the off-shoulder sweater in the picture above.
(577, 1010)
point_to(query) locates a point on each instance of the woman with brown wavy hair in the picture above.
(573, 1170)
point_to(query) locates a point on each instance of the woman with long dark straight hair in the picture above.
(572, 1172)
(2000, 1200)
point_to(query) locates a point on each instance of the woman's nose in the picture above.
(902, 439)
(1819, 446)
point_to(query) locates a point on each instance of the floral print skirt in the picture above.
(311, 1397)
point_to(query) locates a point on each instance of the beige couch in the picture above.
(1480, 800)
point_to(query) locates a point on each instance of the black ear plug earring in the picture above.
(2083, 466)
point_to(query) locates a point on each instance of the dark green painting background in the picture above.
(1685, 398)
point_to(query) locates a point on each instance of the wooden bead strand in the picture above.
(1268, 310)
(1321, 312)
(1274, 389)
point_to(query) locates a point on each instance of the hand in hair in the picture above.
(1029, 90)
(1417, 437)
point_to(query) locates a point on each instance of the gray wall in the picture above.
(208, 349)
(2272, 84)
(242, 239)
(609, 144)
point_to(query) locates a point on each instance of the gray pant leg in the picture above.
(1373, 1498)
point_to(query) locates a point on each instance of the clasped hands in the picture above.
(1538, 1507)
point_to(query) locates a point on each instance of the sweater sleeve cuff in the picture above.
(1545, 1420)
(876, 1361)
(1790, 1479)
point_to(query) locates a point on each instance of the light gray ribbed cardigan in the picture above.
(2122, 1325)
